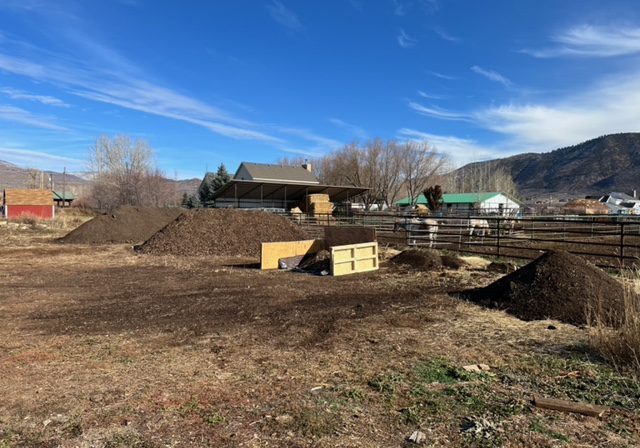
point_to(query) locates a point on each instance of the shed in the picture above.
(63, 199)
(585, 207)
(19, 203)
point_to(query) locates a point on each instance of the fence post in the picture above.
(621, 243)
(498, 239)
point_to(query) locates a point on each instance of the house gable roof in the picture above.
(276, 173)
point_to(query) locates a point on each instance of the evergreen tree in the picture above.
(211, 183)
(193, 202)
(185, 199)
(434, 197)
(221, 178)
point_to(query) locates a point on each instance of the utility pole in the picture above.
(64, 186)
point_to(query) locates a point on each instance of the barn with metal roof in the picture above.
(257, 185)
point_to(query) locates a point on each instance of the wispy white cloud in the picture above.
(21, 116)
(460, 150)
(429, 96)
(404, 40)
(443, 76)
(284, 16)
(352, 129)
(492, 76)
(607, 107)
(44, 99)
(592, 41)
(38, 159)
(322, 143)
(436, 112)
(445, 35)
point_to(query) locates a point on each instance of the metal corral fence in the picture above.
(608, 241)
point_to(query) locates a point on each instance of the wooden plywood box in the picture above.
(271, 253)
(354, 258)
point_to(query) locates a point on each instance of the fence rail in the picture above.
(606, 241)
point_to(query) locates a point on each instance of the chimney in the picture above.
(635, 194)
(306, 165)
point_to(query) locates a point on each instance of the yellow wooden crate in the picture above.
(271, 253)
(354, 258)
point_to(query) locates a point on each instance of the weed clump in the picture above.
(619, 345)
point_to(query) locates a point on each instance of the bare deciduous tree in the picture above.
(124, 174)
(481, 177)
(420, 166)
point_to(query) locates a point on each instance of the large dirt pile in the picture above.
(124, 225)
(557, 285)
(221, 232)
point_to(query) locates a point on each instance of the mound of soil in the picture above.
(222, 232)
(124, 225)
(418, 259)
(557, 285)
(452, 262)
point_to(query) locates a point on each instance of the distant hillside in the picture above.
(12, 176)
(598, 166)
(189, 186)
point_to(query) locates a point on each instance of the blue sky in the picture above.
(206, 82)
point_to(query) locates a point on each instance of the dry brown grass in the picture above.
(621, 345)
(102, 347)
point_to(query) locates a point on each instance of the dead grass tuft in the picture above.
(620, 345)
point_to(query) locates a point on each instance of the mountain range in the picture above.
(595, 167)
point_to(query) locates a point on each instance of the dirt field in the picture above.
(103, 347)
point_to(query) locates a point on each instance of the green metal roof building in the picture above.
(488, 202)
(454, 198)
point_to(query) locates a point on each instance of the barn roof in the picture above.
(276, 173)
(27, 197)
(252, 190)
(66, 196)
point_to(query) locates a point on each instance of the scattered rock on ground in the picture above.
(417, 437)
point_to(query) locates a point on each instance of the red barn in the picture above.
(20, 203)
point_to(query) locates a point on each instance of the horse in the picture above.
(479, 227)
(423, 226)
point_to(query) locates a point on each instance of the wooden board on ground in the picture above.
(569, 406)
(342, 236)
(271, 253)
(354, 258)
